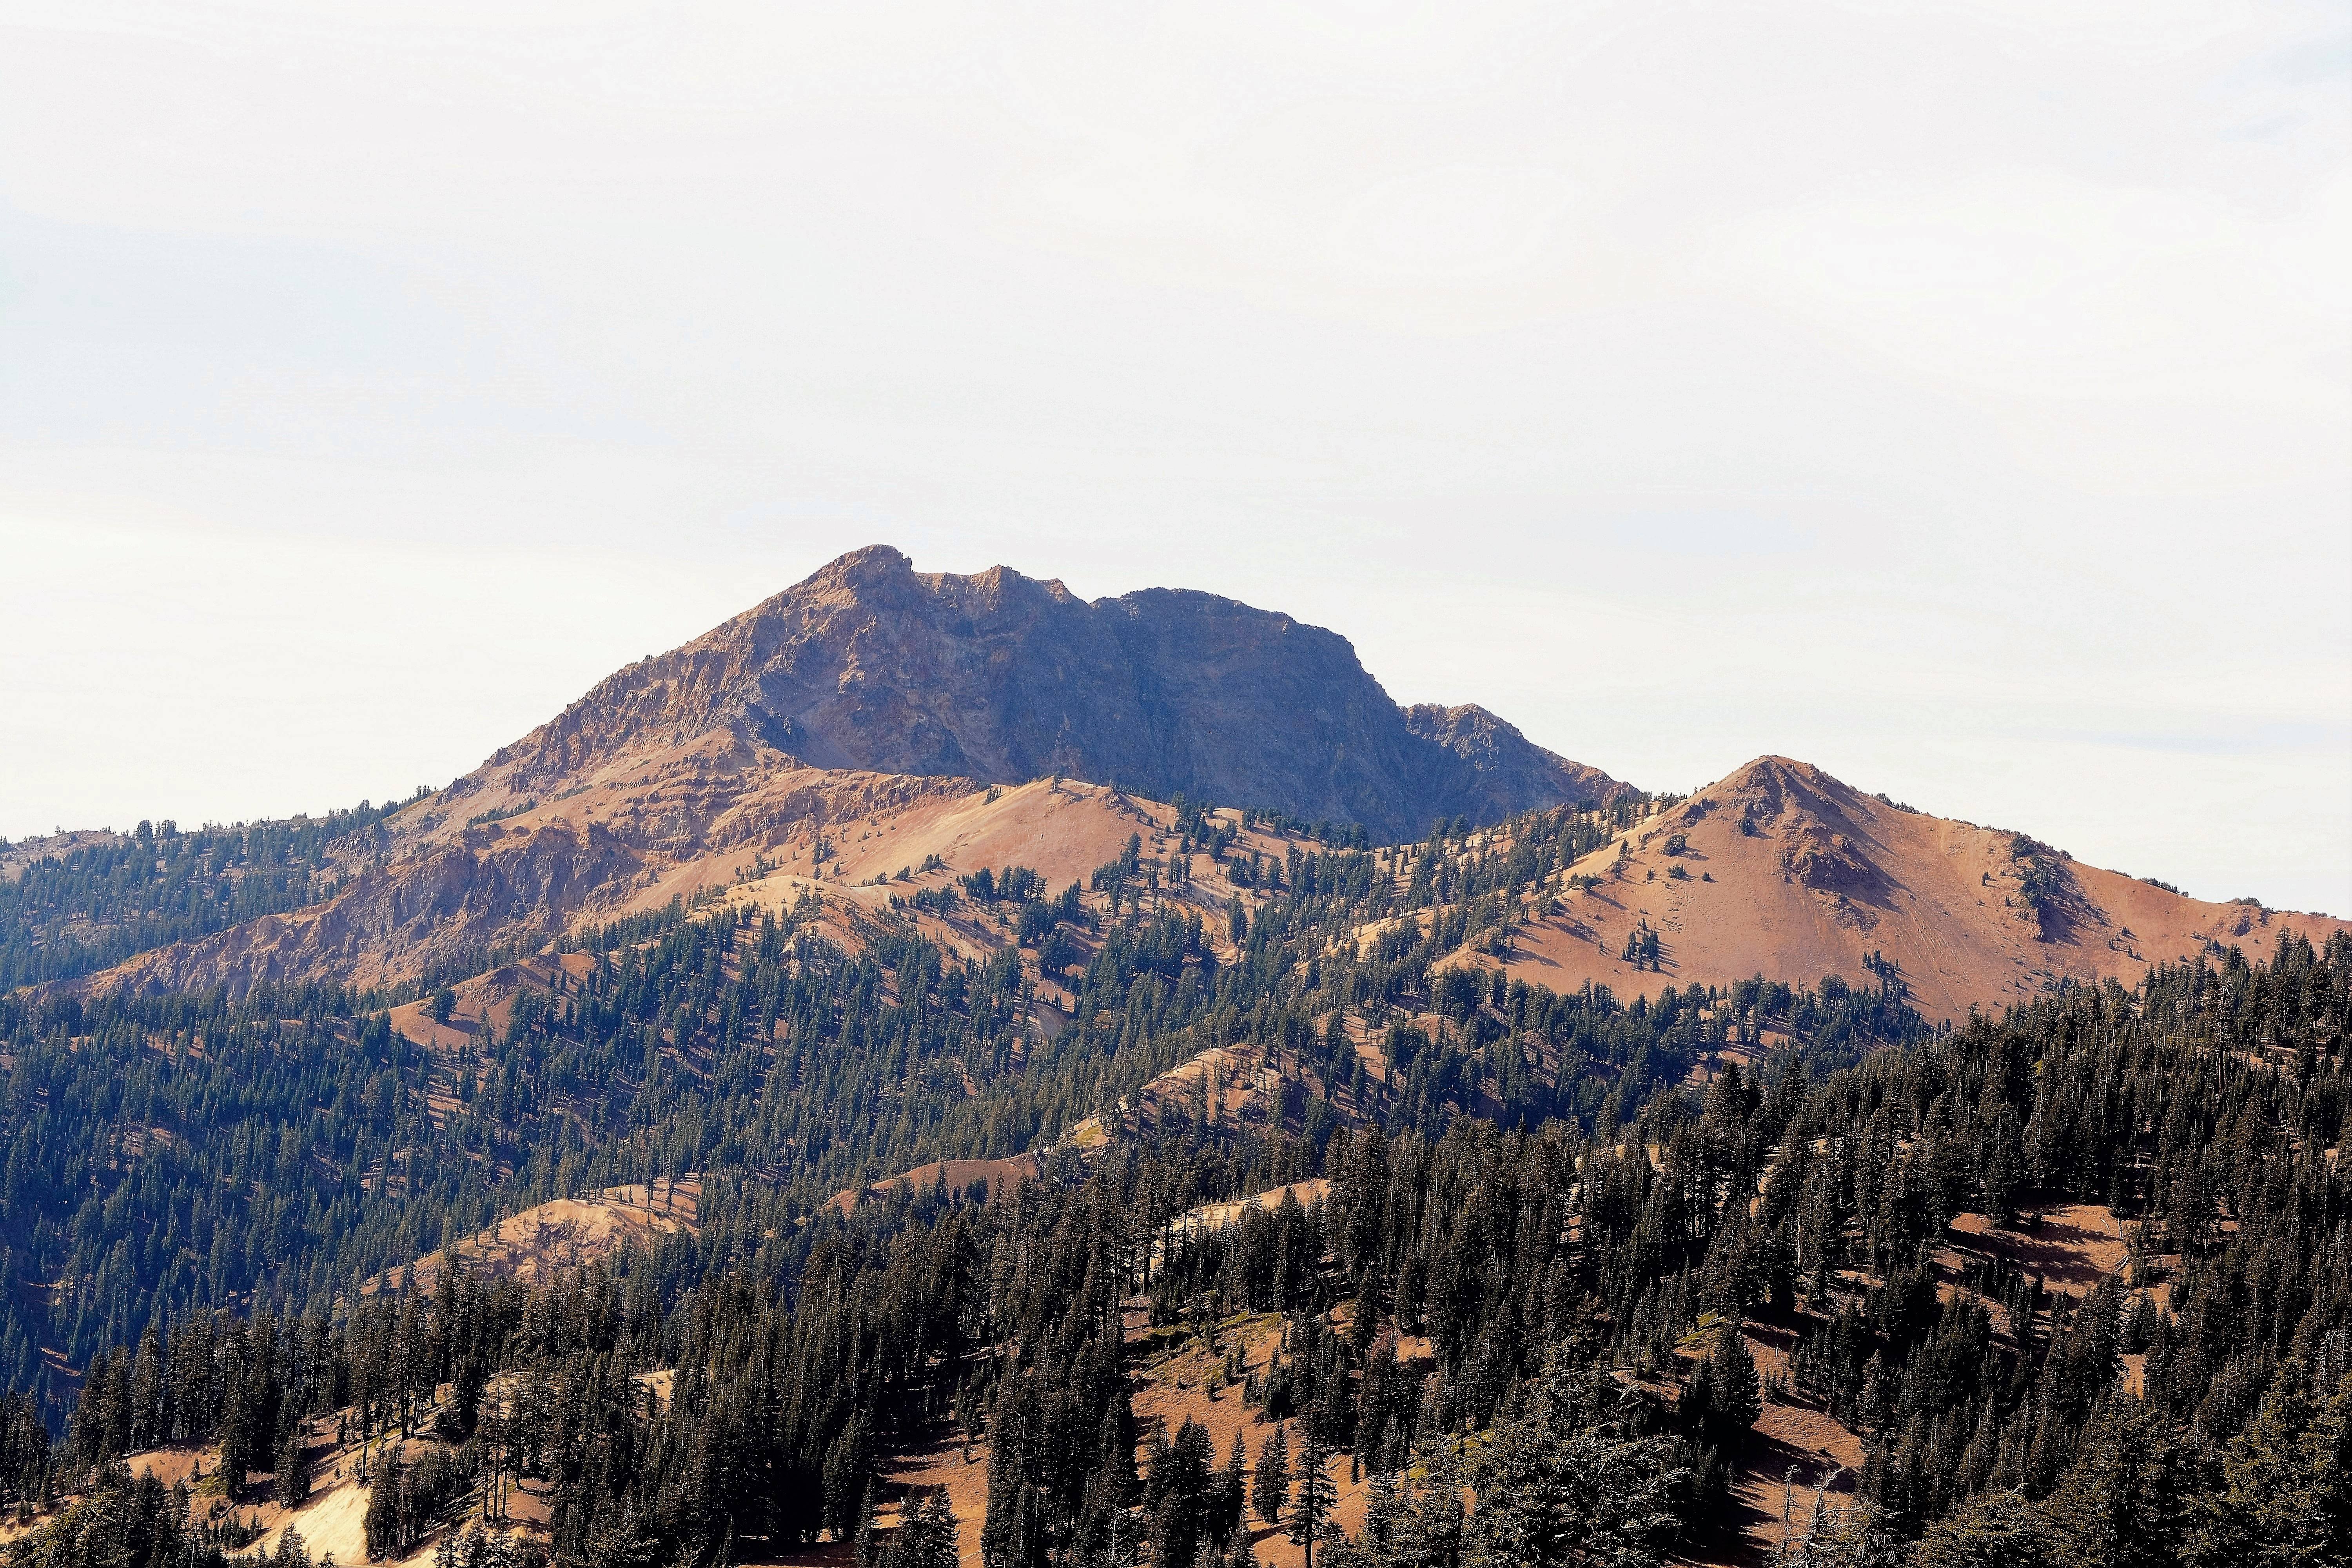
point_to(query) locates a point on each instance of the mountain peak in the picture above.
(1781, 868)
(871, 665)
(866, 562)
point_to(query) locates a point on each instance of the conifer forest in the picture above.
(1541, 1288)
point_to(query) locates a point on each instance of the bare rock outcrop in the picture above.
(872, 665)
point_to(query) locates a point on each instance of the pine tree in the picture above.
(381, 1525)
(1270, 1486)
(2328, 1460)
(2285, 1495)
(1383, 1516)
(291, 1484)
(1999, 1531)
(1571, 1484)
(1738, 1395)
(868, 1550)
(1310, 1503)
(1232, 1491)
(927, 1539)
(2118, 1505)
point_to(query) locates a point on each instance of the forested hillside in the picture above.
(1773, 1173)
(1580, 1287)
(166, 1153)
(96, 899)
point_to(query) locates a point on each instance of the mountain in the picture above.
(781, 1105)
(872, 666)
(874, 714)
(861, 690)
(1510, 772)
(1780, 869)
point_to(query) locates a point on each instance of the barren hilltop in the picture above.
(1780, 871)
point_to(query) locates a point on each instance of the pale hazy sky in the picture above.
(1957, 396)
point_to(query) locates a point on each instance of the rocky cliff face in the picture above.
(872, 665)
(1510, 768)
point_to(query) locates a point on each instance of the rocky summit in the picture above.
(872, 666)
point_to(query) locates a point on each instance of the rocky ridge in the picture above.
(872, 666)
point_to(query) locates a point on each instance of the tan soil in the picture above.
(1831, 875)
(1002, 1176)
(566, 1234)
(2073, 1248)
(332, 1520)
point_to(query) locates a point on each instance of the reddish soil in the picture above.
(1002, 1176)
(1829, 875)
(569, 1233)
(2072, 1248)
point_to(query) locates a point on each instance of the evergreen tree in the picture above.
(928, 1538)
(1270, 1491)
(1310, 1502)
(1570, 1483)
(1999, 1530)
(291, 1483)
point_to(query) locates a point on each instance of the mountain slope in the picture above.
(688, 826)
(1511, 770)
(438, 891)
(870, 665)
(862, 689)
(77, 902)
(1784, 871)
(853, 725)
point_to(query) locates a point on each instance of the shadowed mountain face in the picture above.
(871, 665)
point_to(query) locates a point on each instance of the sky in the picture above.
(1957, 396)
